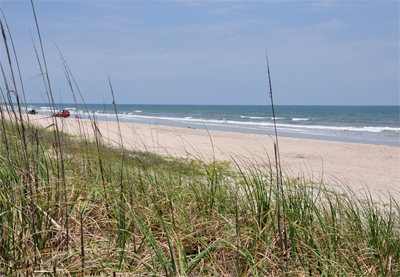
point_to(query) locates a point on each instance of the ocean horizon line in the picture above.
(147, 104)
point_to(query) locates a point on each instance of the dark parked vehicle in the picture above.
(32, 112)
(62, 113)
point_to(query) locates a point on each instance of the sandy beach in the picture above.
(376, 167)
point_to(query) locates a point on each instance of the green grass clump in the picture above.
(101, 209)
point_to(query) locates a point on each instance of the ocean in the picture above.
(363, 124)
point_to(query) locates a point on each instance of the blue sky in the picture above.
(213, 52)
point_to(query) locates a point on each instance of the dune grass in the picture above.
(177, 217)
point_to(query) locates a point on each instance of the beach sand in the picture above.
(360, 166)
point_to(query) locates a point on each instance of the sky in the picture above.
(211, 52)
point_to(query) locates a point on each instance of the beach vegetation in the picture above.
(180, 217)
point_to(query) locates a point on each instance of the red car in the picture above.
(62, 113)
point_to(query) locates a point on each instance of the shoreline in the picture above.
(358, 165)
(323, 137)
(319, 137)
(338, 124)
